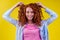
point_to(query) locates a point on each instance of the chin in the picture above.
(29, 19)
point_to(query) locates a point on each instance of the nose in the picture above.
(29, 13)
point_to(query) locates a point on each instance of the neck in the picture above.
(30, 22)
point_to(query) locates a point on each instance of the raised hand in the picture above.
(18, 4)
(40, 4)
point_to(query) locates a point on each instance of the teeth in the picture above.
(30, 17)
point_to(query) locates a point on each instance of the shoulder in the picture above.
(43, 21)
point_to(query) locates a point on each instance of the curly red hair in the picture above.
(37, 14)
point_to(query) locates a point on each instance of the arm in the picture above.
(50, 12)
(7, 17)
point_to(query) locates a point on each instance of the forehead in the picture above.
(29, 9)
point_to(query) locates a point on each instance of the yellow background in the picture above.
(8, 31)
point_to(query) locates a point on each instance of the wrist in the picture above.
(43, 6)
(13, 7)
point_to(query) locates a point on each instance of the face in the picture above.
(29, 13)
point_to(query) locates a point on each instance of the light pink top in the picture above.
(31, 32)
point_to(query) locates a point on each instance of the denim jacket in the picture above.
(43, 28)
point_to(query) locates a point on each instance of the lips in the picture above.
(29, 16)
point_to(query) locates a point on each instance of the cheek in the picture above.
(26, 14)
(32, 14)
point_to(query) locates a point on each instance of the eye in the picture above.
(27, 11)
(32, 12)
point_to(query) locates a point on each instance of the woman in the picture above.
(30, 25)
